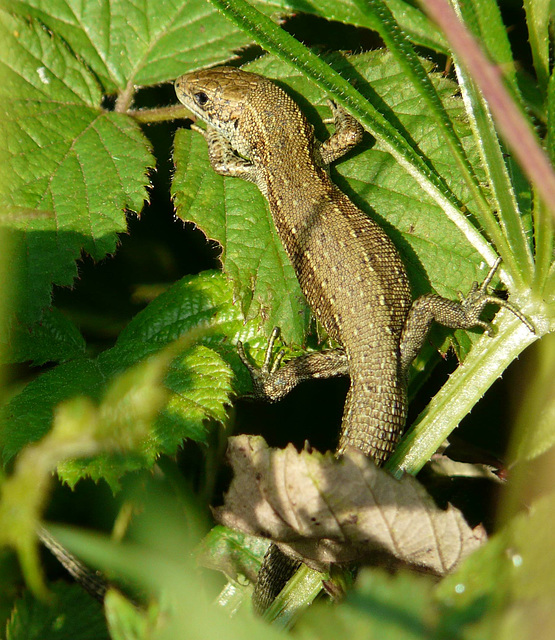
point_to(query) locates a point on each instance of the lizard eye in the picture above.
(201, 98)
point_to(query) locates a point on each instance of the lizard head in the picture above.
(248, 110)
(217, 96)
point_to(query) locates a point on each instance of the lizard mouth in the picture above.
(183, 94)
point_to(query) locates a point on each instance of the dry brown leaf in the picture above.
(322, 509)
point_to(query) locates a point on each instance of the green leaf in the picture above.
(514, 570)
(29, 415)
(72, 168)
(54, 338)
(73, 615)
(516, 129)
(405, 55)
(120, 423)
(127, 44)
(198, 380)
(162, 565)
(402, 606)
(381, 606)
(411, 19)
(192, 302)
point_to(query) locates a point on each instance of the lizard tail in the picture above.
(374, 417)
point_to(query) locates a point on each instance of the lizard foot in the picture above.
(474, 302)
(263, 376)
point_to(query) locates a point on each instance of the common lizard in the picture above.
(348, 268)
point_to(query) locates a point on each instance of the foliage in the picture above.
(142, 399)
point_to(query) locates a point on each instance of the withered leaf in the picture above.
(322, 509)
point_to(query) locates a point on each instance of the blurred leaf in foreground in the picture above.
(198, 379)
(119, 424)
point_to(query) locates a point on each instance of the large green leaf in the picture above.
(127, 43)
(198, 379)
(72, 168)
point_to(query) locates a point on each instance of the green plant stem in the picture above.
(297, 595)
(537, 20)
(515, 128)
(163, 114)
(517, 250)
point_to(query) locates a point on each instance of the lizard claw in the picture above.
(260, 375)
(268, 366)
(477, 298)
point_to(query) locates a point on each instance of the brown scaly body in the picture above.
(348, 268)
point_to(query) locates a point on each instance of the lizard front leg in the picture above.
(347, 135)
(223, 158)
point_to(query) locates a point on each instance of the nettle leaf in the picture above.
(127, 43)
(54, 338)
(323, 510)
(229, 211)
(73, 615)
(198, 380)
(437, 255)
(73, 168)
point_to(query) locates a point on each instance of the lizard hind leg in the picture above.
(273, 381)
(462, 314)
